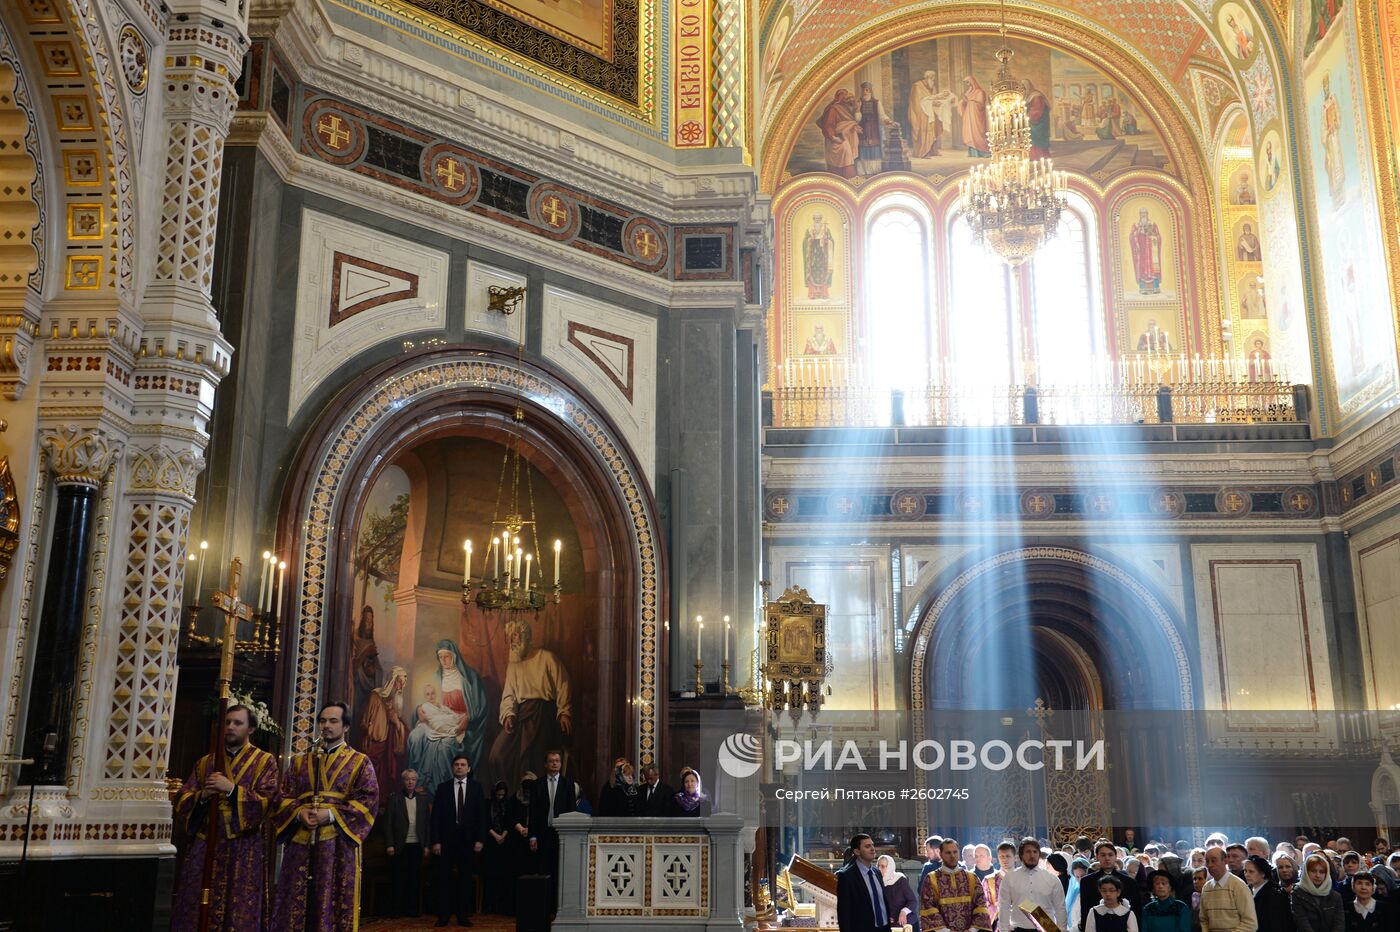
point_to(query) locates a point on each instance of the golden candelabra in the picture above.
(699, 686)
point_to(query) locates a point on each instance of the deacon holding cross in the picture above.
(329, 798)
(232, 790)
(243, 792)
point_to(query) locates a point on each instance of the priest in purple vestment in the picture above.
(329, 799)
(246, 793)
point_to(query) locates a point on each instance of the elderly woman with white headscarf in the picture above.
(900, 903)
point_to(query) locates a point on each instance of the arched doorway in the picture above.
(1042, 630)
(426, 414)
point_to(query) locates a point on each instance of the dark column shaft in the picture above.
(55, 673)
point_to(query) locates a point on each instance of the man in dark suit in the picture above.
(554, 795)
(860, 891)
(1107, 856)
(654, 794)
(408, 830)
(459, 832)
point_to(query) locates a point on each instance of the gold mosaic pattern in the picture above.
(356, 432)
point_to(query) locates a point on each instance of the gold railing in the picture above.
(1141, 390)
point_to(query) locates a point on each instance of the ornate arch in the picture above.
(948, 594)
(391, 399)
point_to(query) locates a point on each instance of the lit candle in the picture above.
(271, 579)
(529, 557)
(281, 583)
(495, 545)
(262, 584)
(467, 567)
(558, 546)
(519, 554)
(203, 553)
(508, 556)
(726, 638)
(699, 635)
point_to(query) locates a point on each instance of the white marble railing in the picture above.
(651, 873)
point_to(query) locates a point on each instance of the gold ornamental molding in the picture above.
(598, 96)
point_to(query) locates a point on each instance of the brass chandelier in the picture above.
(1013, 203)
(512, 569)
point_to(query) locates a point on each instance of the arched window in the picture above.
(897, 296)
(981, 309)
(1066, 294)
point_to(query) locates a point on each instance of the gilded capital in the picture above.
(79, 455)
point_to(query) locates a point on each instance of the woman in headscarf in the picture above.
(1077, 869)
(691, 801)
(1286, 869)
(900, 903)
(1316, 906)
(495, 857)
(1271, 905)
(1060, 865)
(620, 798)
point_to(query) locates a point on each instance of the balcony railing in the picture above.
(1141, 390)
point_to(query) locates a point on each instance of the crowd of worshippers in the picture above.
(330, 801)
(1099, 886)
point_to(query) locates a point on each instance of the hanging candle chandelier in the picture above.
(512, 570)
(1013, 202)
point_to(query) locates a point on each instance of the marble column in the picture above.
(80, 460)
(51, 688)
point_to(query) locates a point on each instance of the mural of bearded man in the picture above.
(536, 711)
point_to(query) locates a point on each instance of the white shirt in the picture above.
(411, 803)
(1038, 887)
(553, 784)
(1366, 910)
(1118, 910)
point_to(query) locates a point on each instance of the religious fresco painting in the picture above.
(1147, 250)
(1244, 240)
(819, 334)
(1353, 265)
(1237, 29)
(819, 237)
(429, 678)
(1271, 162)
(1241, 189)
(923, 108)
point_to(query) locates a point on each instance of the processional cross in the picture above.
(234, 610)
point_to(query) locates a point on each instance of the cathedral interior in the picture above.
(580, 374)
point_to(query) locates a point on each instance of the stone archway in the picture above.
(416, 394)
(1097, 637)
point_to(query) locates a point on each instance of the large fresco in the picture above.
(923, 108)
(429, 678)
(1353, 265)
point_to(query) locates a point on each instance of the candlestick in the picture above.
(199, 585)
(724, 683)
(529, 557)
(699, 686)
(281, 585)
(519, 555)
(558, 546)
(467, 565)
(262, 584)
(699, 636)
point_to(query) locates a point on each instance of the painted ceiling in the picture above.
(1166, 34)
